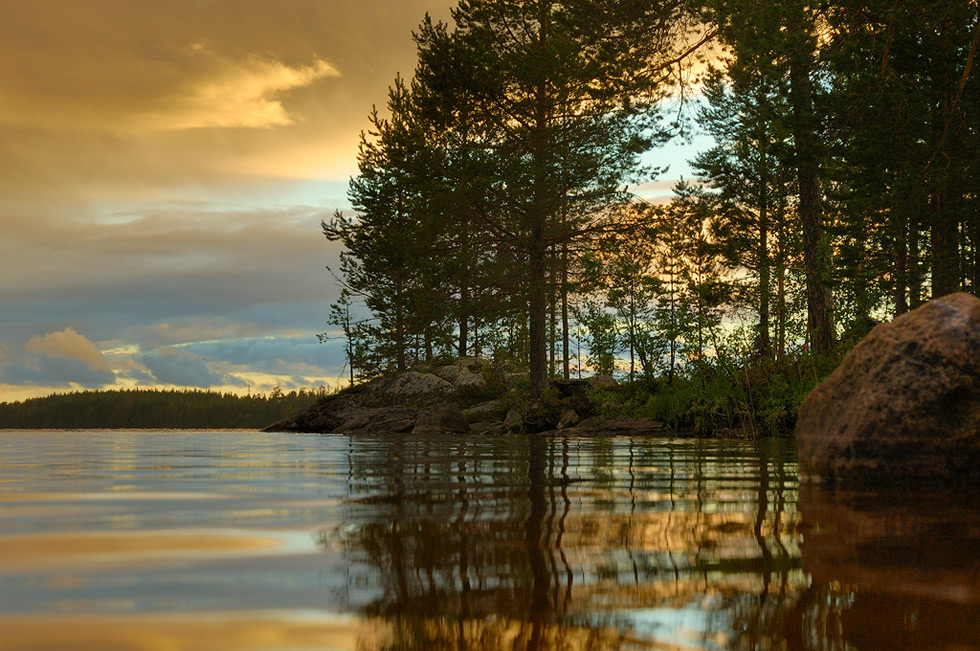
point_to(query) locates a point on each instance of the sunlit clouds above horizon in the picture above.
(164, 169)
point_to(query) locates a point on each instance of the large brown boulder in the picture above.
(904, 404)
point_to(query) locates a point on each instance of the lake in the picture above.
(150, 540)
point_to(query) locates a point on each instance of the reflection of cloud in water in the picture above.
(124, 548)
(256, 631)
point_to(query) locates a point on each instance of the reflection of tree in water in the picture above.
(540, 542)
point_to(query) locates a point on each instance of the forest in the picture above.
(154, 409)
(498, 208)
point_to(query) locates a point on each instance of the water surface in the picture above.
(246, 540)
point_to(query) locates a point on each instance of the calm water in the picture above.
(244, 540)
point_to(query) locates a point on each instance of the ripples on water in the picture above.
(200, 540)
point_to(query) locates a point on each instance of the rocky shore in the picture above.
(469, 396)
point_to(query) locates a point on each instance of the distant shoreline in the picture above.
(153, 409)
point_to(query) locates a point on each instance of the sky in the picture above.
(164, 169)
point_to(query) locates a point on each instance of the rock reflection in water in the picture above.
(567, 544)
(891, 569)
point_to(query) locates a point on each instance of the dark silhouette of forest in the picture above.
(152, 409)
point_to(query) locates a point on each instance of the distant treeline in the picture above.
(150, 408)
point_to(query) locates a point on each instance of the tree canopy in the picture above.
(496, 207)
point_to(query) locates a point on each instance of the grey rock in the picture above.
(904, 404)
(602, 381)
(487, 427)
(471, 364)
(379, 420)
(517, 379)
(413, 383)
(441, 419)
(567, 418)
(540, 417)
(619, 426)
(460, 377)
(485, 410)
(513, 420)
(574, 387)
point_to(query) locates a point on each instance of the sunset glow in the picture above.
(165, 171)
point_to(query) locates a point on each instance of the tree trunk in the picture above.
(464, 297)
(943, 223)
(429, 354)
(818, 298)
(538, 296)
(901, 265)
(765, 344)
(552, 323)
(564, 313)
(915, 284)
(975, 243)
(943, 246)
(781, 308)
(537, 314)
(399, 328)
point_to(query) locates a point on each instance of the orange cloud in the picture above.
(240, 94)
(70, 345)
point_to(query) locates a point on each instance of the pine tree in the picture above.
(562, 95)
(748, 169)
(390, 260)
(905, 93)
(779, 40)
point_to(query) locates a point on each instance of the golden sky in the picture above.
(164, 167)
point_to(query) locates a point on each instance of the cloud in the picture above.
(300, 355)
(179, 261)
(60, 359)
(181, 368)
(68, 344)
(239, 94)
(56, 372)
(166, 167)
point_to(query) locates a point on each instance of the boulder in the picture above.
(602, 381)
(485, 410)
(321, 417)
(567, 417)
(382, 405)
(539, 416)
(460, 377)
(487, 427)
(904, 404)
(441, 419)
(574, 387)
(379, 420)
(517, 379)
(472, 364)
(513, 420)
(413, 384)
